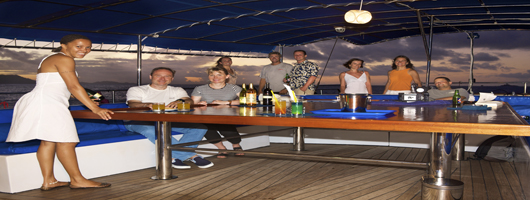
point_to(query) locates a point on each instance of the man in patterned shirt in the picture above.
(303, 74)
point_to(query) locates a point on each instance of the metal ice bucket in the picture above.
(353, 102)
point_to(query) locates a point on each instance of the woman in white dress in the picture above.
(355, 81)
(43, 113)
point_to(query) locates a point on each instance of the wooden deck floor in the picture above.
(261, 178)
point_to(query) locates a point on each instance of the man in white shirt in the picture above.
(274, 74)
(160, 91)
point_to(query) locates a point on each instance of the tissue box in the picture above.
(492, 104)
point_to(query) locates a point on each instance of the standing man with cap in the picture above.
(303, 75)
(274, 74)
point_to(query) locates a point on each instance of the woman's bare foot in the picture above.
(53, 185)
(88, 184)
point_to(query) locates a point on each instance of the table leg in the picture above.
(163, 153)
(298, 139)
(440, 156)
(460, 147)
(438, 183)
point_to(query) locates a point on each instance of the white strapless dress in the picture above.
(43, 113)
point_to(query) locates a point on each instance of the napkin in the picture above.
(486, 99)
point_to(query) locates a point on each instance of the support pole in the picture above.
(459, 149)
(429, 56)
(139, 62)
(281, 53)
(163, 153)
(425, 44)
(298, 139)
(472, 55)
(440, 155)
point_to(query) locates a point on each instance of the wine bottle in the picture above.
(243, 95)
(267, 95)
(251, 96)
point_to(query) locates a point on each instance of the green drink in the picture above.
(297, 108)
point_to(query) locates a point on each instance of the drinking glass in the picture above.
(280, 108)
(159, 107)
(183, 106)
(297, 108)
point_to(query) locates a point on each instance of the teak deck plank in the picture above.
(513, 179)
(250, 177)
(479, 187)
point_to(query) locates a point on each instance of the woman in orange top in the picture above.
(401, 76)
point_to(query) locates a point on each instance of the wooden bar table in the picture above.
(434, 119)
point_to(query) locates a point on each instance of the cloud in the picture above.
(513, 76)
(488, 39)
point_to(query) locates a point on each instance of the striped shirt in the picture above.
(208, 94)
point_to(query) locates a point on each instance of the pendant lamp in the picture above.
(358, 16)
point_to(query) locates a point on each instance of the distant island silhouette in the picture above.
(15, 79)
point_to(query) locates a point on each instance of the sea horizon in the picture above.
(10, 93)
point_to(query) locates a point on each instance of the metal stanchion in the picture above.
(459, 149)
(298, 139)
(437, 184)
(163, 153)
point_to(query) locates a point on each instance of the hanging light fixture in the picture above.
(358, 16)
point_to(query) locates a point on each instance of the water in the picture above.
(10, 93)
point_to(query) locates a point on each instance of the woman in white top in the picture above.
(43, 113)
(226, 62)
(355, 81)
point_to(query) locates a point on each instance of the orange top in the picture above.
(399, 80)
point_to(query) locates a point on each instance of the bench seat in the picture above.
(105, 148)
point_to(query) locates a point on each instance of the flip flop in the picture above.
(238, 149)
(222, 155)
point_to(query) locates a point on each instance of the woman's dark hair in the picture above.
(221, 59)
(410, 65)
(217, 69)
(347, 64)
(69, 38)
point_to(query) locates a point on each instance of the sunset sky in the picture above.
(500, 56)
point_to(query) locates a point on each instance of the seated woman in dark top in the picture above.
(218, 91)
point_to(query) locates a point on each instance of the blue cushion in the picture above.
(104, 137)
(6, 115)
(4, 130)
(89, 126)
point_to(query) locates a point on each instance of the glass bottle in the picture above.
(243, 95)
(251, 96)
(457, 100)
(267, 95)
(288, 78)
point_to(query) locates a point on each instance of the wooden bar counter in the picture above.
(445, 125)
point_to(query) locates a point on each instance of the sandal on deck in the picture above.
(238, 149)
(222, 155)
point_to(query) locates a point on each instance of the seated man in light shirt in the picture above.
(160, 91)
(444, 91)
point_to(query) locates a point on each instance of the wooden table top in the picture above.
(427, 118)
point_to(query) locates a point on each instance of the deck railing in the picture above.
(114, 97)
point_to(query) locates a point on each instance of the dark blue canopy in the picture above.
(250, 25)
